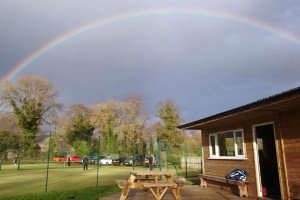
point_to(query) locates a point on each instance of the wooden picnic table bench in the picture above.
(149, 180)
(242, 185)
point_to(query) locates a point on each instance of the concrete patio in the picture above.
(188, 192)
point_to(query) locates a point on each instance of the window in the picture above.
(228, 144)
(213, 148)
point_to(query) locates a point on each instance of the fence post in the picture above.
(185, 155)
(201, 156)
(48, 160)
(98, 161)
(159, 153)
(19, 163)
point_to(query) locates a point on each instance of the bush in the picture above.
(174, 160)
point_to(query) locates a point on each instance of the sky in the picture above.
(206, 56)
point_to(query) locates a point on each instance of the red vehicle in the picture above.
(64, 159)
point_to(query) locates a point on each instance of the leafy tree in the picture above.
(104, 119)
(151, 137)
(82, 148)
(9, 135)
(94, 147)
(193, 141)
(59, 144)
(79, 126)
(111, 137)
(33, 101)
(54, 145)
(170, 118)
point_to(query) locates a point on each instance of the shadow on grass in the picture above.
(85, 193)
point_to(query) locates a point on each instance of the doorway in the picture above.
(267, 161)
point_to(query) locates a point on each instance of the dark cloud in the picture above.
(205, 64)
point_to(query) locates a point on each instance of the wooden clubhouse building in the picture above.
(262, 138)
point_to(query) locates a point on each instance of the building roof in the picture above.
(271, 100)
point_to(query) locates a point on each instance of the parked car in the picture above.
(135, 160)
(155, 161)
(64, 159)
(146, 161)
(91, 159)
(119, 161)
(106, 161)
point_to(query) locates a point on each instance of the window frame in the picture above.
(217, 149)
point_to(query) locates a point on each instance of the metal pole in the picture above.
(98, 160)
(19, 163)
(46, 189)
(201, 170)
(133, 157)
(168, 156)
(185, 154)
(159, 153)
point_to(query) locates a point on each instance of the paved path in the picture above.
(189, 192)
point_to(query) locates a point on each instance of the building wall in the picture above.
(221, 168)
(290, 128)
(287, 132)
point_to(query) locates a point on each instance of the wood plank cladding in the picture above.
(291, 139)
(219, 167)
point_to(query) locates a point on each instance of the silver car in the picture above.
(106, 161)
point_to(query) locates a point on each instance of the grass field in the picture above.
(29, 182)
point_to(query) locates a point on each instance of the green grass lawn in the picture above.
(29, 182)
(31, 178)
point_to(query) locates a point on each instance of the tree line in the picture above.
(30, 107)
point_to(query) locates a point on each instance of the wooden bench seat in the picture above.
(242, 185)
(180, 182)
(144, 178)
(158, 189)
(159, 184)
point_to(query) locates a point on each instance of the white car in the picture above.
(106, 161)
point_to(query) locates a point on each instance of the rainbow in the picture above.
(143, 13)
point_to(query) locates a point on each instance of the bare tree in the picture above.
(122, 125)
(105, 118)
(132, 125)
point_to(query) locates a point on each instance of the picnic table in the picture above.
(156, 181)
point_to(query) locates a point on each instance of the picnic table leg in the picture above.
(155, 193)
(203, 182)
(146, 192)
(176, 192)
(162, 192)
(124, 193)
(243, 190)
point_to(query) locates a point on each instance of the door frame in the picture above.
(256, 157)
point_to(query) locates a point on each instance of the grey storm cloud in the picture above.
(205, 64)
